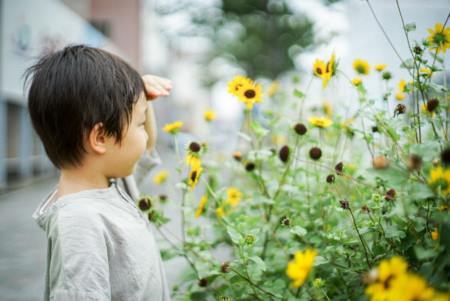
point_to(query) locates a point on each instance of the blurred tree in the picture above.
(263, 37)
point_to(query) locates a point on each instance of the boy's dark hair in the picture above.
(72, 90)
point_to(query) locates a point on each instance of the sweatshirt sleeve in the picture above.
(79, 267)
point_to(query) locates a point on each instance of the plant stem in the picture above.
(360, 238)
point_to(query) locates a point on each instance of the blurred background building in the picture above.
(200, 45)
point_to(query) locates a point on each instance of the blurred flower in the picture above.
(234, 196)
(160, 177)
(320, 122)
(327, 108)
(299, 268)
(361, 66)
(209, 115)
(236, 84)
(273, 88)
(194, 147)
(439, 38)
(400, 96)
(220, 212)
(385, 273)
(402, 85)
(440, 178)
(193, 160)
(380, 67)
(325, 71)
(410, 287)
(424, 108)
(173, 128)
(380, 162)
(201, 206)
(245, 90)
(426, 71)
(435, 234)
(194, 176)
(356, 81)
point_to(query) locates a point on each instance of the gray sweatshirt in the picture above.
(100, 246)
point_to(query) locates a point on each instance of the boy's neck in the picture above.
(79, 179)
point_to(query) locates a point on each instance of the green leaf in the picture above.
(410, 27)
(300, 231)
(259, 262)
(298, 93)
(235, 236)
(258, 129)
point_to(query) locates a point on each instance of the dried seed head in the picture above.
(300, 129)
(415, 162)
(250, 166)
(284, 154)
(344, 204)
(375, 129)
(145, 203)
(315, 153)
(445, 157)
(225, 267)
(285, 221)
(330, 179)
(365, 209)
(203, 282)
(400, 109)
(390, 195)
(432, 105)
(194, 147)
(418, 50)
(338, 168)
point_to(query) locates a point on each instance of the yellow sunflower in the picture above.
(356, 81)
(299, 268)
(173, 128)
(380, 67)
(201, 206)
(236, 84)
(387, 271)
(361, 66)
(234, 196)
(209, 115)
(160, 177)
(439, 38)
(250, 93)
(440, 178)
(194, 176)
(220, 212)
(325, 71)
(320, 122)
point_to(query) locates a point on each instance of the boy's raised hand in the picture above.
(156, 86)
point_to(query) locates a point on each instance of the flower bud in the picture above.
(390, 195)
(330, 179)
(300, 129)
(203, 282)
(145, 203)
(250, 166)
(285, 221)
(315, 153)
(284, 154)
(194, 147)
(380, 162)
(400, 109)
(338, 168)
(237, 155)
(344, 204)
(249, 239)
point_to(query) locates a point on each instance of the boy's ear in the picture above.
(97, 139)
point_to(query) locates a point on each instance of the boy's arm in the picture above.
(79, 267)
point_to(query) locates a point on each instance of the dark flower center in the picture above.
(250, 93)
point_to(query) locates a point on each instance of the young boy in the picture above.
(89, 108)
